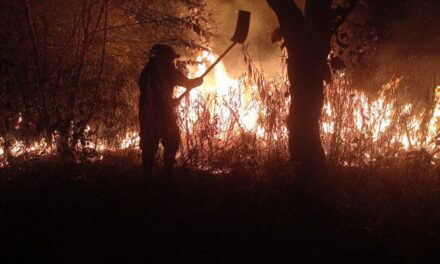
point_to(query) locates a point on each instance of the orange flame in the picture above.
(368, 117)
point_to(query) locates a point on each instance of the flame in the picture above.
(131, 140)
(376, 118)
(217, 87)
(235, 108)
(434, 124)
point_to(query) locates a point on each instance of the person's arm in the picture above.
(182, 80)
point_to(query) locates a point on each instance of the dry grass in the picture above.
(233, 195)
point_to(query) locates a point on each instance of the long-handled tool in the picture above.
(240, 35)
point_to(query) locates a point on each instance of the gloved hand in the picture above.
(198, 81)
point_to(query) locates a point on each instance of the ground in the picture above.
(95, 212)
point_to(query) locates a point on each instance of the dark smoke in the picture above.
(408, 45)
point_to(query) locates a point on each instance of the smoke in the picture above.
(411, 47)
(263, 23)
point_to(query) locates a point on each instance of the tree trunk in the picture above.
(307, 41)
(306, 77)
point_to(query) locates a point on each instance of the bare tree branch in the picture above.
(342, 12)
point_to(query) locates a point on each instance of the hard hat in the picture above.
(164, 50)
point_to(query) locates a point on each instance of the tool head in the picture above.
(242, 29)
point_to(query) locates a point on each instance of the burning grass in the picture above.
(228, 122)
(233, 190)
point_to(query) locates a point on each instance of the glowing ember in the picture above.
(131, 140)
(225, 110)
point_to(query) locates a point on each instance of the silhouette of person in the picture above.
(157, 116)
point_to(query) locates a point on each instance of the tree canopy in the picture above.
(70, 64)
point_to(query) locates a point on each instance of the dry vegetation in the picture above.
(71, 187)
(233, 196)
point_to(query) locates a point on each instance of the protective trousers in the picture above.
(156, 128)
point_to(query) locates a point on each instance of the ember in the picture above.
(351, 120)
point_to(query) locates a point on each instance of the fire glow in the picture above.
(234, 108)
(218, 87)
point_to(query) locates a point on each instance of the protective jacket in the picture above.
(157, 117)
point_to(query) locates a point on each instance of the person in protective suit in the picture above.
(157, 116)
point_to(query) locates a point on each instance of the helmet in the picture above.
(163, 50)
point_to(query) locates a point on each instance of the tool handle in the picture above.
(218, 60)
(209, 69)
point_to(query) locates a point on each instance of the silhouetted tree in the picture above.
(307, 37)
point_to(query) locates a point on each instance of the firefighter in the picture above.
(157, 116)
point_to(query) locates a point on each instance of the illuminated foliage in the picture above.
(72, 64)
